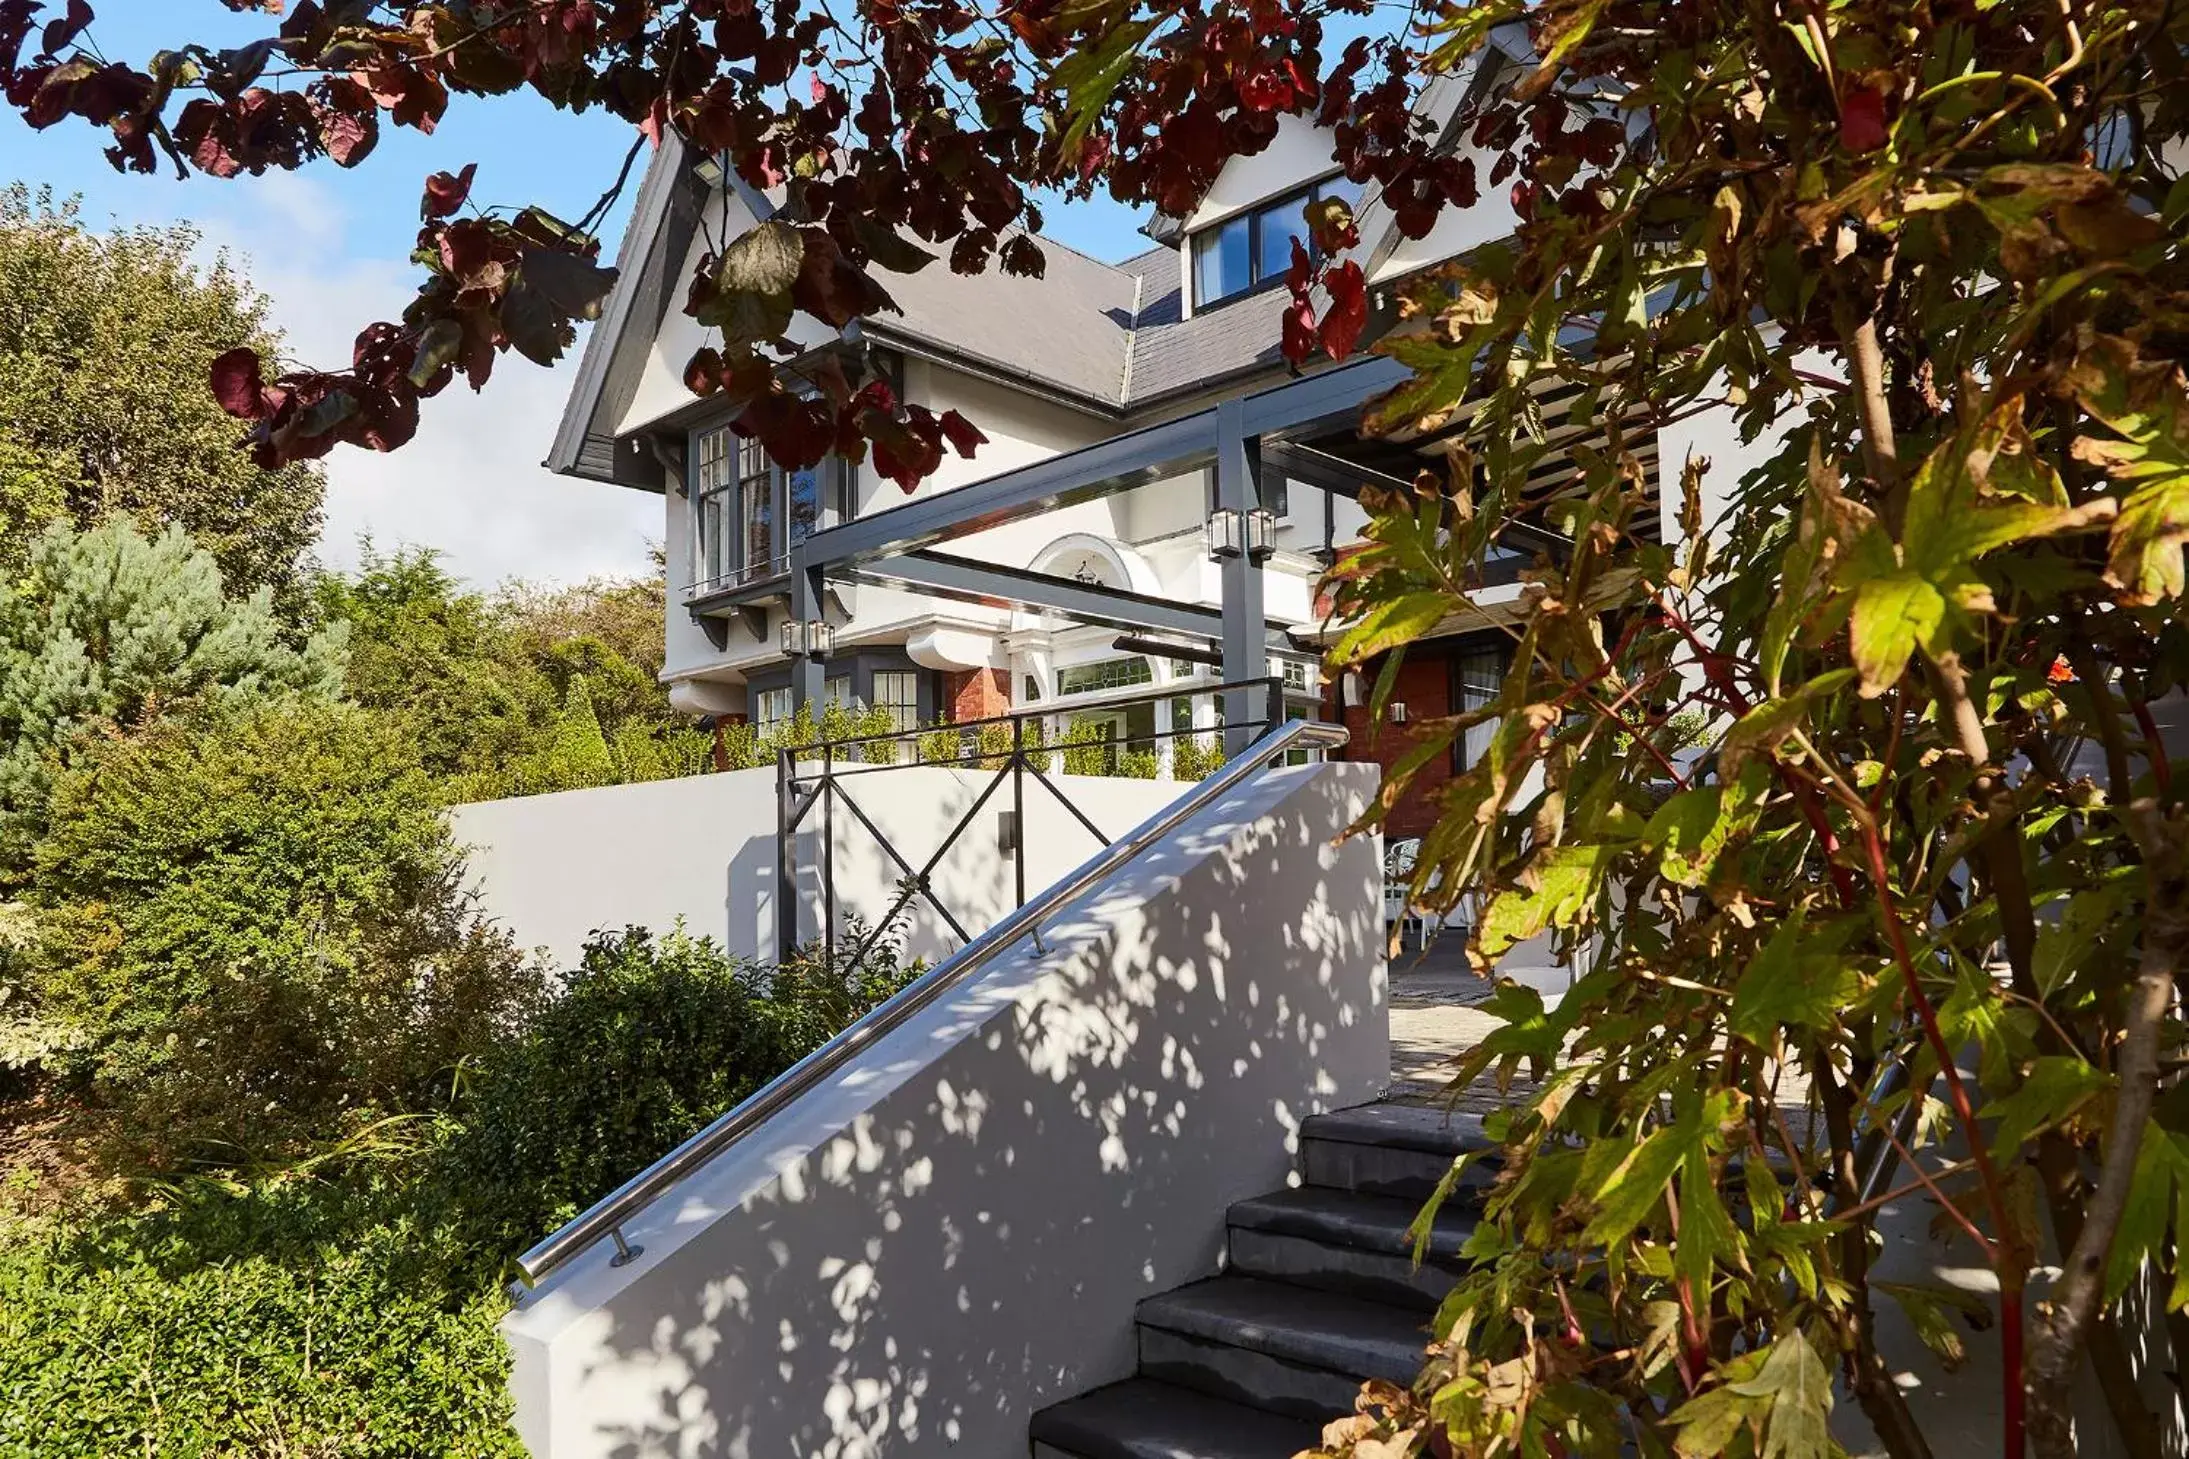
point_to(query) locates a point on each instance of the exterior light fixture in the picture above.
(1232, 532)
(813, 638)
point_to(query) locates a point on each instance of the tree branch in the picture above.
(2064, 1321)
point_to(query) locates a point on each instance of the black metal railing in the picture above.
(1016, 747)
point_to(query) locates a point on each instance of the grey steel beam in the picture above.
(1326, 470)
(1246, 652)
(1118, 464)
(943, 575)
(1314, 405)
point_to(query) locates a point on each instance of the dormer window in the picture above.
(1251, 250)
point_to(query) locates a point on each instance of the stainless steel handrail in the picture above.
(607, 1215)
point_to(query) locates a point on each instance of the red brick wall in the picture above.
(976, 694)
(1424, 686)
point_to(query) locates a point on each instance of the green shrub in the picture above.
(1138, 764)
(942, 745)
(1087, 751)
(108, 627)
(130, 1336)
(250, 935)
(649, 1038)
(1196, 757)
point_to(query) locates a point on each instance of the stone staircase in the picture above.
(1318, 1293)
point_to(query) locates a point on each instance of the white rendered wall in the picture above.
(936, 1243)
(555, 868)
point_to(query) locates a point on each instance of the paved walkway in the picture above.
(1433, 1021)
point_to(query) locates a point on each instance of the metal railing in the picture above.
(1013, 746)
(606, 1216)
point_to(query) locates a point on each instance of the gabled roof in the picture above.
(1108, 338)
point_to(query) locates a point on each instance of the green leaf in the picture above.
(1799, 1386)
(2057, 1085)
(1765, 727)
(1926, 1311)
(2142, 1231)
(1798, 980)
(2143, 403)
(753, 284)
(1392, 623)
(1088, 78)
(1893, 616)
(1555, 890)
(1635, 1185)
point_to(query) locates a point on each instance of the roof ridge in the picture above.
(1132, 341)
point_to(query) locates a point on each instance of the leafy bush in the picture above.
(650, 1038)
(1138, 764)
(1196, 757)
(285, 1334)
(251, 935)
(1087, 751)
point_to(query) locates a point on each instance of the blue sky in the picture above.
(331, 248)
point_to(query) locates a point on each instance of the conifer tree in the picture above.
(107, 628)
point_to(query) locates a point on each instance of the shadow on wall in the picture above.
(919, 1255)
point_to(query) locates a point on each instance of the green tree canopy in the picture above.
(105, 345)
(108, 627)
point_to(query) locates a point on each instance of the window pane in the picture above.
(899, 693)
(1481, 672)
(803, 493)
(714, 537)
(771, 711)
(1107, 674)
(1342, 188)
(1281, 223)
(1220, 262)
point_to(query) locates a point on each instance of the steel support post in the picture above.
(1246, 649)
(807, 670)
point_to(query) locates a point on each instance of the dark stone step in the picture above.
(1142, 1419)
(1392, 1150)
(1290, 1350)
(1341, 1241)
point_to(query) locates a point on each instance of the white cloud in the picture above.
(470, 484)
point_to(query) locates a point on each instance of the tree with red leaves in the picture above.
(897, 131)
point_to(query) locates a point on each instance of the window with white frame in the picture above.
(712, 503)
(770, 711)
(899, 693)
(1251, 250)
(1477, 675)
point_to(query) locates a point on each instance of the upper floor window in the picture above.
(1252, 250)
(749, 512)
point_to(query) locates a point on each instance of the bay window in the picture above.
(747, 512)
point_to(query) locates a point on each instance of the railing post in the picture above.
(828, 854)
(786, 857)
(1018, 805)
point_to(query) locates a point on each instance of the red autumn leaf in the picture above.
(1299, 335)
(238, 383)
(446, 192)
(1300, 270)
(961, 433)
(1348, 311)
(1862, 120)
(1265, 89)
(62, 32)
